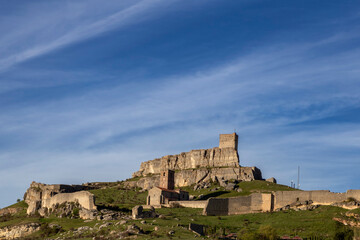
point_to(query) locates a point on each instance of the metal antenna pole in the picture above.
(298, 182)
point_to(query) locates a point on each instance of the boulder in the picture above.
(272, 179)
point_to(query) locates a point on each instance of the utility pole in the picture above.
(298, 180)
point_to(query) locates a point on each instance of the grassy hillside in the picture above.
(306, 224)
(119, 198)
(246, 187)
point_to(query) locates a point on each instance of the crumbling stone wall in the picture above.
(353, 194)
(322, 197)
(189, 204)
(40, 195)
(84, 198)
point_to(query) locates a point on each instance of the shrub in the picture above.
(342, 232)
(76, 212)
(110, 200)
(47, 230)
(268, 232)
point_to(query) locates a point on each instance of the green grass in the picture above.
(302, 223)
(120, 198)
(247, 188)
(21, 204)
(317, 222)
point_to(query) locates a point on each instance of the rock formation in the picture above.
(19, 231)
(197, 166)
(204, 158)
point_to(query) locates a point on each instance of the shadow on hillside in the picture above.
(213, 194)
(113, 208)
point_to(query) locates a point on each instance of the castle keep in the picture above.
(228, 141)
(196, 166)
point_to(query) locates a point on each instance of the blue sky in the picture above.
(90, 89)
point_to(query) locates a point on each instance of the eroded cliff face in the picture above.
(203, 158)
(189, 177)
(194, 167)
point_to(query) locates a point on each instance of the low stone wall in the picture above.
(266, 202)
(321, 197)
(191, 204)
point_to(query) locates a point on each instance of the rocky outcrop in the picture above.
(272, 180)
(204, 158)
(41, 197)
(19, 231)
(189, 177)
(196, 166)
(9, 211)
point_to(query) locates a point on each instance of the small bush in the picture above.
(47, 230)
(76, 212)
(110, 200)
(268, 232)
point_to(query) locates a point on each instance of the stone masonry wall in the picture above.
(260, 202)
(228, 141)
(84, 198)
(322, 197)
(192, 204)
(40, 195)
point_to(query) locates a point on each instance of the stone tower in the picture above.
(167, 179)
(228, 141)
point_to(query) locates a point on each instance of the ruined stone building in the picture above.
(166, 192)
(196, 166)
(228, 141)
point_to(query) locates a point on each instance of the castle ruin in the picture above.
(196, 166)
(228, 141)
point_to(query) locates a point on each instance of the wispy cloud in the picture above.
(267, 95)
(133, 13)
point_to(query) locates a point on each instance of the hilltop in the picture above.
(216, 198)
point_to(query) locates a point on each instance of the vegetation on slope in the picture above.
(246, 189)
(318, 222)
(119, 198)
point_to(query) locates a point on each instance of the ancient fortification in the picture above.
(162, 176)
(42, 197)
(198, 165)
(280, 200)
